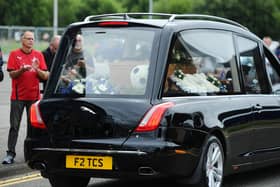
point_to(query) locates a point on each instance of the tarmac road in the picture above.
(19, 166)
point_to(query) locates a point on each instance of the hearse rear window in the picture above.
(107, 61)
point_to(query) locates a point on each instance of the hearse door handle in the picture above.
(257, 107)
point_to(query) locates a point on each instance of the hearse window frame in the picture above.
(259, 65)
(57, 66)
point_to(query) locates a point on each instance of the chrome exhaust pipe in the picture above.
(146, 171)
(39, 166)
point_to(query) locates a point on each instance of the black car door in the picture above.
(267, 116)
(264, 104)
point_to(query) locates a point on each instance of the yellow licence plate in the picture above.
(89, 162)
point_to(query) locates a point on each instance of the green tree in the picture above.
(24, 12)
(178, 6)
(261, 17)
(93, 7)
(67, 11)
(136, 5)
(258, 15)
(3, 7)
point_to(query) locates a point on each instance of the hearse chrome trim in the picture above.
(90, 151)
(86, 109)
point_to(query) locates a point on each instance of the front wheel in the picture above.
(213, 164)
(69, 181)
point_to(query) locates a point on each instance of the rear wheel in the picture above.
(69, 181)
(213, 164)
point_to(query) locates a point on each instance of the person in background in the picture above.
(277, 52)
(271, 44)
(49, 54)
(267, 41)
(26, 67)
(76, 53)
(74, 66)
(76, 60)
(1, 64)
(78, 63)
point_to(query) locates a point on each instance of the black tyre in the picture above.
(69, 181)
(213, 164)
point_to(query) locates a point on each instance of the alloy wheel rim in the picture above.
(214, 165)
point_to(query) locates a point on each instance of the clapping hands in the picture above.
(26, 67)
(33, 67)
(35, 63)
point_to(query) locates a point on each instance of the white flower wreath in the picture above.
(193, 83)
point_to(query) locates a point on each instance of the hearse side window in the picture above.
(249, 57)
(201, 62)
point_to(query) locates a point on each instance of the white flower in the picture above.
(79, 88)
(194, 83)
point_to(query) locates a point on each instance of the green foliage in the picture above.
(93, 7)
(67, 11)
(136, 5)
(258, 15)
(25, 12)
(262, 17)
(178, 6)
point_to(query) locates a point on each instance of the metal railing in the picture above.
(170, 17)
(14, 32)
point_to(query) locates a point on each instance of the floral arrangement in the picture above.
(79, 86)
(73, 86)
(88, 86)
(99, 85)
(213, 80)
(195, 83)
(179, 74)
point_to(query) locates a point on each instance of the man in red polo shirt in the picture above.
(1, 64)
(26, 67)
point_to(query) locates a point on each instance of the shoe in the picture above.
(8, 160)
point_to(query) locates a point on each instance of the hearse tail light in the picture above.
(35, 116)
(153, 117)
(112, 23)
